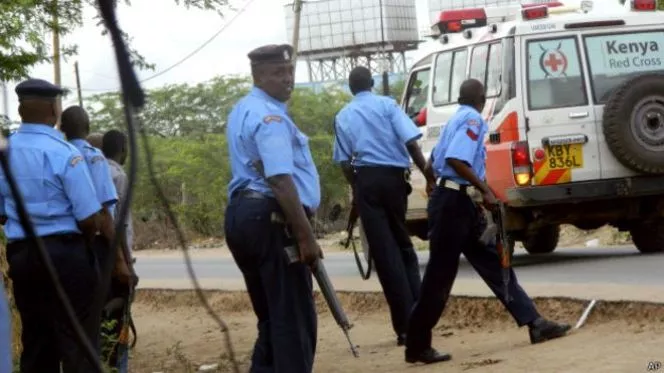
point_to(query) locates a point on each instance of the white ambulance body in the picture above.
(575, 106)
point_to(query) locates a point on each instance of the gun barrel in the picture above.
(330, 296)
(333, 303)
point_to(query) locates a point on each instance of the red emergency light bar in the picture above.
(647, 5)
(460, 19)
(535, 12)
(551, 4)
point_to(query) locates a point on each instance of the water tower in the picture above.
(337, 35)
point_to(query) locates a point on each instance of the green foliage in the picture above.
(28, 24)
(190, 151)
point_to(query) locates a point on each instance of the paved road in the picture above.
(617, 265)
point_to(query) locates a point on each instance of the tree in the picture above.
(27, 25)
(175, 110)
(190, 152)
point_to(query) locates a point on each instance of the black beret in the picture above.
(38, 88)
(271, 53)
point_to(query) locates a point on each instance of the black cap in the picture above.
(37, 88)
(271, 53)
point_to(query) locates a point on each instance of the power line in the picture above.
(191, 54)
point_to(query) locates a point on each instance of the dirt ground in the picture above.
(177, 335)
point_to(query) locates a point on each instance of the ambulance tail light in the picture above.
(421, 118)
(521, 166)
(537, 12)
(452, 21)
(647, 5)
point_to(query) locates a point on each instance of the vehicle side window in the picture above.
(493, 77)
(555, 78)
(486, 66)
(478, 63)
(458, 73)
(417, 91)
(614, 58)
(441, 79)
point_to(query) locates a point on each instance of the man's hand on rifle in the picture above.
(310, 252)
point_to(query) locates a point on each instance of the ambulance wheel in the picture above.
(633, 123)
(543, 240)
(648, 236)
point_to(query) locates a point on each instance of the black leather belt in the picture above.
(248, 193)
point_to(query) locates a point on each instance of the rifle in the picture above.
(495, 229)
(352, 221)
(326, 288)
(324, 283)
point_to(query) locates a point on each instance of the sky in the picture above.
(166, 34)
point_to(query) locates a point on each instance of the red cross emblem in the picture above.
(553, 62)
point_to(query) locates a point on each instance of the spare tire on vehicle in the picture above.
(633, 123)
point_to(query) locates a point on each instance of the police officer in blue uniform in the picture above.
(272, 195)
(373, 141)
(63, 206)
(75, 124)
(455, 225)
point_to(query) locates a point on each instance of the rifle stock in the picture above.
(495, 232)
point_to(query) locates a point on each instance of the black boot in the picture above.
(427, 356)
(542, 330)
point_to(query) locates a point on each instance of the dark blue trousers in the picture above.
(281, 293)
(47, 338)
(382, 200)
(454, 228)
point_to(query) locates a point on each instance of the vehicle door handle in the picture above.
(578, 115)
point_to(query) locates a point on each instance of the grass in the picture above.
(16, 319)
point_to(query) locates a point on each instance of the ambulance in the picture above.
(575, 106)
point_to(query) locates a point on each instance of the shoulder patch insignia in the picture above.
(473, 122)
(97, 158)
(74, 160)
(473, 136)
(272, 118)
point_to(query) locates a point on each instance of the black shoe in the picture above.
(401, 340)
(542, 330)
(428, 356)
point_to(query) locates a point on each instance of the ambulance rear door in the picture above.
(560, 120)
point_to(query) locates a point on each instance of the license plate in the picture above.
(563, 157)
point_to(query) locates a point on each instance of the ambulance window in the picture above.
(441, 79)
(495, 67)
(478, 63)
(555, 79)
(418, 89)
(614, 58)
(458, 73)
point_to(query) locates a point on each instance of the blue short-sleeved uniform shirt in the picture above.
(373, 130)
(52, 177)
(100, 172)
(259, 129)
(462, 139)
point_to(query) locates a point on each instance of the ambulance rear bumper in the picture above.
(586, 191)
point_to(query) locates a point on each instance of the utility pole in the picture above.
(386, 83)
(78, 84)
(5, 100)
(56, 53)
(297, 8)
